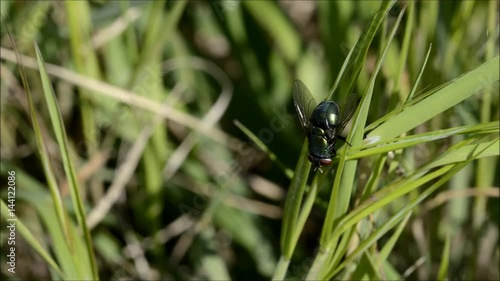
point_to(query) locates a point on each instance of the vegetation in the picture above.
(158, 140)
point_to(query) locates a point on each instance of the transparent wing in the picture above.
(347, 111)
(304, 103)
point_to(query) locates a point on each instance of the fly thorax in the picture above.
(333, 119)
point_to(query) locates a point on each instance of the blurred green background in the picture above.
(172, 188)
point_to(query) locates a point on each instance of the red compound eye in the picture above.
(325, 162)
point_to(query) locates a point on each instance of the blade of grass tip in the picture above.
(419, 76)
(288, 172)
(60, 133)
(403, 59)
(366, 40)
(445, 259)
(352, 67)
(60, 228)
(30, 239)
(343, 69)
(42, 151)
(408, 98)
(461, 88)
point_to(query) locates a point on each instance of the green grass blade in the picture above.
(389, 245)
(344, 179)
(30, 239)
(412, 140)
(60, 133)
(42, 150)
(369, 241)
(267, 14)
(293, 202)
(445, 259)
(364, 43)
(488, 149)
(455, 92)
(85, 59)
(288, 172)
(486, 168)
(419, 76)
(342, 186)
(443, 175)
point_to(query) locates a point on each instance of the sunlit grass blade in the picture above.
(412, 140)
(488, 149)
(455, 92)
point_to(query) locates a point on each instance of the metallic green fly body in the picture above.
(322, 123)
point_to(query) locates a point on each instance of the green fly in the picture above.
(322, 123)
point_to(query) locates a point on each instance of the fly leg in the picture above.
(343, 139)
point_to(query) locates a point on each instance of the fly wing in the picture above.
(304, 103)
(347, 111)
